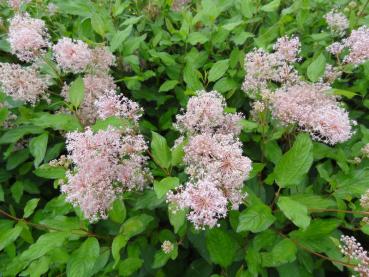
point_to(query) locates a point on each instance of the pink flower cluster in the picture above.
(205, 114)
(355, 252)
(96, 86)
(112, 104)
(27, 37)
(73, 56)
(22, 83)
(356, 44)
(214, 159)
(105, 164)
(262, 67)
(313, 110)
(16, 4)
(337, 22)
(178, 5)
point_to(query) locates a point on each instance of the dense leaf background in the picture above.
(302, 194)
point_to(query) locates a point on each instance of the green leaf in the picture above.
(17, 158)
(98, 24)
(50, 172)
(37, 147)
(76, 92)
(217, 70)
(13, 135)
(295, 163)
(177, 219)
(1, 193)
(135, 225)
(161, 188)
(65, 122)
(282, 253)
(293, 210)
(316, 68)
(118, 211)
(168, 85)
(271, 7)
(197, 37)
(119, 242)
(82, 261)
(45, 243)
(30, 207)
(256, 218)
(112, 121)
(221, 246)
(160, 151)
(10, 236)
(129, 266)
(161, 258)
(38, 268)
(17, 191)
(119, 38)
(346, 93)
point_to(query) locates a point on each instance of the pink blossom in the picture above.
(205, 113)
(287, 48)
(262, 67)
(111, 104)
(205, 201)
(95, 87)
(357, 43)
(104, 164)
(214, 160)
(178, 5)
(337, 22)
(16, 4)
(23, 83)
(101, 59)
(354, 251)
(72, 55)
(335, 48)
(27, 37)
(313, 110)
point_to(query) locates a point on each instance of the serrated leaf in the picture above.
(295, 163)
(50, 172)
(168, 85)
(283, 252)
(197, 37)
(82, 261)
(221, 246)
(294, 211)
(256, 218)
(316, 68)
(119, 38)
(160, 151)
(129, 266)
(9, 236)
(65, 122)
(17, 191)
(37, 147)
(119, 242)
(271, 7)
(118, 212)
(135, 225)
(98, 24)
(76, 92)
(13, 135)
(30, 207)
(217, 70)
(161, 188)
(176, 218)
